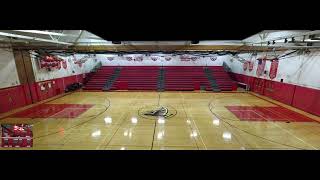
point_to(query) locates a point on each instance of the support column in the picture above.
(25, 74)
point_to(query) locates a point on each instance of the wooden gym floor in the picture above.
(194, 121)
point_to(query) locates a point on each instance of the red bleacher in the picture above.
(176, 78)
(99, 78)
(221, 77)
(137, 78)
(185, 78)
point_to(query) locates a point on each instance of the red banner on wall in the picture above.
(59, 65)
(274, 68)
(261, 66)
(251, 64)
(245, 65)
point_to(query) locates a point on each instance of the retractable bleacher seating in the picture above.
(185, 78)
(137, 78)
(99, 78)
(170, 78)
(221, 77)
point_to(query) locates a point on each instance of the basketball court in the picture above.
(200, 121)
(254, 100)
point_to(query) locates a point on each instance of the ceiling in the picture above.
(97, 41)
(171, 33)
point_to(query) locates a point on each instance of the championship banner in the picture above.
(129, 58)
(80, 61)
(251, 64)
(274, 68)
(154, 58)
(245, 65)
(50, 62)
(213, 58)
(261, 66)
(185, 58)
(138, 58)
(194, 58)
(110, 58)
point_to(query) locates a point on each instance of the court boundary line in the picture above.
(234, 126)
(295, 109)
(34, 104)
(186, 114)
(155, 122)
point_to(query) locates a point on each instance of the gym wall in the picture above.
(21, 79)
(147, 61)
(300, 74)
(8, 71)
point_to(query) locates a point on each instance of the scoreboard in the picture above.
(16, 135)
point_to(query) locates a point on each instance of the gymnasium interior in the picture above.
(75, 90)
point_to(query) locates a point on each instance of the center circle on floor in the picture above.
(155, 112)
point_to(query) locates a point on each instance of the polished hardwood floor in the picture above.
(188, 121)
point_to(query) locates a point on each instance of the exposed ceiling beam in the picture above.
(79, 36)
(171, 48)
(32, 38)
(58, 34)
(45, 32)
(286, 37)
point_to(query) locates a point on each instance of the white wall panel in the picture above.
(175, 61)
(72, 69)
(8, 71)
(303, 70)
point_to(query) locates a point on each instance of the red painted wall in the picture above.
(22, 95)
(13, 97)
(307, 99)
(303, 98)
